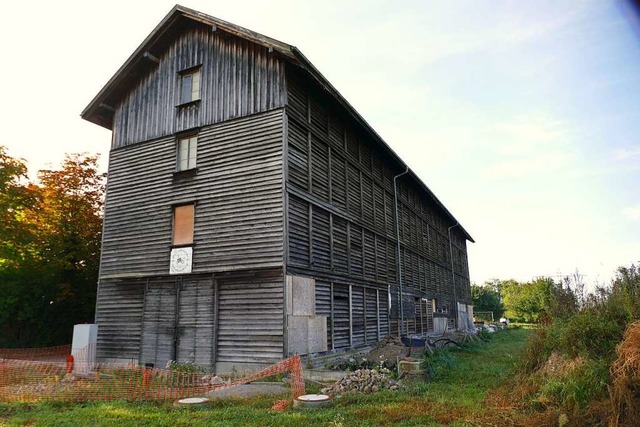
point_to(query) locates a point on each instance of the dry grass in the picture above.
(625, 372)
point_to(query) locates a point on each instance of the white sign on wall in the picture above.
(181, 260)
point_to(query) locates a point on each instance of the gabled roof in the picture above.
(100, 110)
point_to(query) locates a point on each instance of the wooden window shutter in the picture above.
(183, 218)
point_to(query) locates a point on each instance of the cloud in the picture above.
(632, 213)
(542, 162)
(627, 153)
(527, 133)
(526, 145)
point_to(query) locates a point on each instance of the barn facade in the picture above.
(252, 213)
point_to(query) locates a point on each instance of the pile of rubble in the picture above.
(362, 381)
(387, 351)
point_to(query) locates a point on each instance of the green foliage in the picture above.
(15, 198)
(528, 301)
(486, 298)
(485, 335)
(575, 390)
(539, 299)
(580, 335)
(49, 250)
(625, 291)
(185, 368)
(437, 362)
(591, 334)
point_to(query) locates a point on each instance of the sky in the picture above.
(521, 116)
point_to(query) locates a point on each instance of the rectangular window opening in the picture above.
(187, 152)
(189, 86)
(183, 220)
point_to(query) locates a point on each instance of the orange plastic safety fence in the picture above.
(31, 380)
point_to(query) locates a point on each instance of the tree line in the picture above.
(543, 298)
(50, 234)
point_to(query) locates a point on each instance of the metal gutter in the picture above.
(395, 196)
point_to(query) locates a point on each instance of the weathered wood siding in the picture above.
(341, 220)
(119, 317)
(178, 321)
(196, 321)
(237, 189)
(357, 315)
(157, 319)
(238, 78)
(250, 318)
(159, 322)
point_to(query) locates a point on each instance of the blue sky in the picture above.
(522, 116)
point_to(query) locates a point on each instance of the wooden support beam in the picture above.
(364, 315)
(350, 317)
(378, 313)
(108, 108)
(333, 337)
(150, 57)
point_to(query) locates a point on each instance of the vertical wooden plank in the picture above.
(350, 317)
(349, 248)
(214, 350)
(364, 313)
(331, 251)
(332, 319)
(378, 313)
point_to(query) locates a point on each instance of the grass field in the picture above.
(461, 395)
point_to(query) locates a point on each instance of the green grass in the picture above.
(455, 397)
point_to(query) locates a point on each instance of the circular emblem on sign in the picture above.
(180, 261)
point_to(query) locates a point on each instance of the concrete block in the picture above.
(304, 296)
(297, 334)
(83, 346)
(289, 295)
(317, 334)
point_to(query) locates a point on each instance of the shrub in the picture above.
(535, 353)
(185, 368)
(437, 363)
(591, 334)
(484, 335)
(576, 389)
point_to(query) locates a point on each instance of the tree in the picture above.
(49, 269)
(70, 223)
(487, 298)
(533, 301)
(16, 195)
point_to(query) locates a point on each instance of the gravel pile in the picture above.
(362, 381)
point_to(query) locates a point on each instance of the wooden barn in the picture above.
(252, 213)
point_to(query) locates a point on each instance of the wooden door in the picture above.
(159, 322)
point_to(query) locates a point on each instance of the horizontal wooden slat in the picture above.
(250, 319)
(237, 189)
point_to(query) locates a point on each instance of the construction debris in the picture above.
(387, 352)
(362, 381)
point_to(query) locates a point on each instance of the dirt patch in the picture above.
(387, 351)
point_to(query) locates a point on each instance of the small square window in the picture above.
(187, 152)
(183, 219)
(189, 86)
